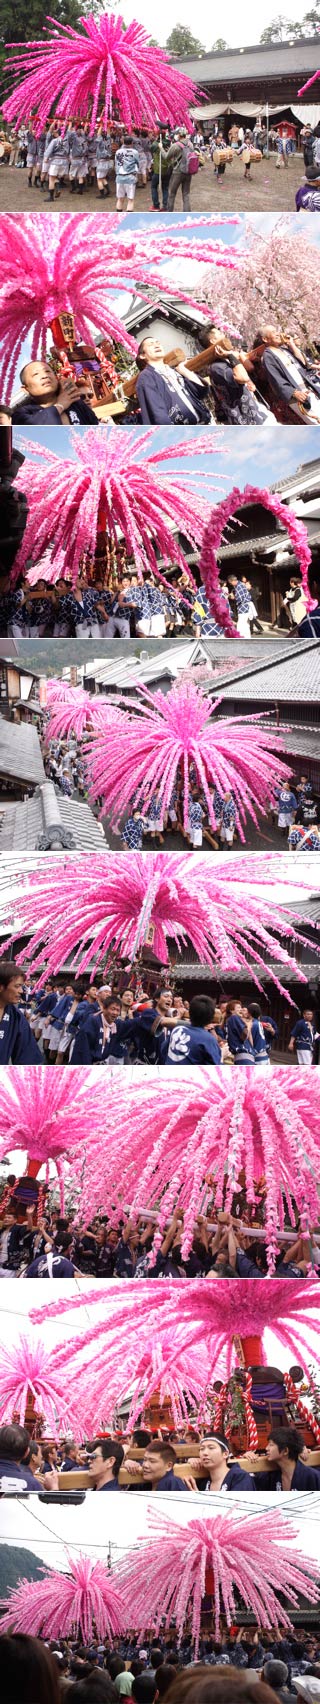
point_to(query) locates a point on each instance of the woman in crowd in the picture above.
(29, 1672)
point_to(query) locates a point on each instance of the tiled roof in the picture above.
(293, 675)
(48, 822)
(268, 541)
(125, 668)
(265, 59)
(301, 742)
(20, 754)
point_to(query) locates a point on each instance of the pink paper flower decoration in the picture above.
(161, 1149)
(52, 266)
(111, 487)
(109, 908)
(169, 1573)
(27, 1369)
(128, 1339)
(45, 1112)
(83, 1602)
(163, 735)
(73, 710)
(106, 69)
(212, 539)
(50, 568)
(309, 83)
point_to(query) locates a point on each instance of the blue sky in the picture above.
(256, 457)
(259, 222)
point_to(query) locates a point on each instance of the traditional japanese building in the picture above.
(239, 82)
(19, 686)
(171, 320)
(257, 545)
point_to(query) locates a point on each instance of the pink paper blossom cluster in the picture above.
(73, 710)
(309, 83)
(50, 568)
(85, 1602)
(183, 1335)
(162, 737)
(198, 1139)
(98, 912)
(45, 1113)
(223, 513)
(106, 70)
(52, 266)
(110, 486)
(167, 1576)
(27, 1369)
(170, 1573)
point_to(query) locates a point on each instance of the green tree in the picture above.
(25, 20)
(17, 1563)
(219, 46)
(182, 42)
(277, 31)
(311, 20)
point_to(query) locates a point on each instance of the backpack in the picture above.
(189, 162)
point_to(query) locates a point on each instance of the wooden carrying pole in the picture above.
(174, 358)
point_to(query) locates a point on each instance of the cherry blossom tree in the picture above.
(277, 283)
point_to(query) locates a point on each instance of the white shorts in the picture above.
(64, 1040)
(153, 625)
(285, 821)
(158, 626)
(243, 625)
(54, 1037)
(227, 834)
(103, 170)
(88, 630)
(41, 1027)
(144, 626)
(304, 1056)
(126, 186)
(56, 171)
(195, 836)
(15, 631)
(78, 171)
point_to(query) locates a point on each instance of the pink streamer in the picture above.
(223, 513)
(107, 65)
